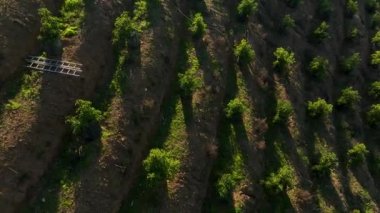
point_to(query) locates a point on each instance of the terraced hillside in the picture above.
(191, 106)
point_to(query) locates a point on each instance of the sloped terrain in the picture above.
(191, 106)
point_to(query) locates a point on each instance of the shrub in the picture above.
(160, 166)
(349, 97)
(350, 63)
(234, 108)
(374, 90)
(357, 153)
(12, 105)
(278, 182)
(327, 162)
(230, 180)
(376, 38)
(324, 8)
(352, 7)
(288, 22)
(123, 29)
(353, 33)
(374, 115)
(283, 110)
(371, 5)
(244, 52)
(85, 116)
(50, 26)
(375, 20)
(321, 32)
(198, 25)
(375, 58)
(319, 108)
(189, 81)
(246, 8)
(319, 66)
(284, 59)
(292, 3)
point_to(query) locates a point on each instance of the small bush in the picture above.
(230, 180)
(283, 110)
(375, 20)
(374, 115)
(190, 81)
(234, 108)
(376, 39)
(319, 108)
(160, 166)
(349, 97)
(279, 182)
(85, 116)
(198, 25)
(244, 52)
(374, 90)
(375, 58)
(50, 26)
(352, 7)
(353, 34)
(321, 32)
(288, 22)
(319, 66)
(350, 63)
(324, 8)
(246, 8)
(357, 153)
(327, 162)
(12, 105)
(371, 5)
(284, 59)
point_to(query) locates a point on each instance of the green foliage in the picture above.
(376, 38)
(246, 8)
(350, 63)
(353, 33)
(140, 15)
(284, 59)
(375, 20)
(352, 7)
(319, 108)
(372, 5)
(374, 115)
(190, 81)
(357, 153)
(198, 25)
(73, 13)
(319, 66)
(327, 162)
(375, 58)
(230, 180)
(321, 32)
(85, 115)
(12, 105)
(279, 182)
(160, 166)
(30, 87)
(324, 8)
(70, 31)
(50, 26)
(288, 22)
(292, 3)
(283, 110)
(124, 27)
(349, 97)
(374, 90)
(234, 108)
(244, 52)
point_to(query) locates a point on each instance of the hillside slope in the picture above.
(191, 106)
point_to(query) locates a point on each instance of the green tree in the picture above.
(374, 115)
(349, 97)
(234, 108)
(375, 58)
(279, 181)
(246, 8)
(288, 22)
(85, 116)
(283, 110)
(244, 52)
(357, 153)
(376, 39)
(374, 90)
(319, 66)
(198, 25)
(350, 63)
(321, 32)
(50, 26)
(319, 108)
(284, 59)
(327, 162)
(160, 166)
(352, 7)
